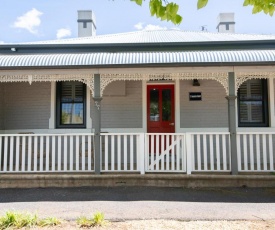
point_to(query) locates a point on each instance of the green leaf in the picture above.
(256, 9)
(168, 11)
(246, 3)
(201, 3)
(139, 2)
(271, 10)
(177, 20)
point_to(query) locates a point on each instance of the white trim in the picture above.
(46, 131)
(88, 108)
(177, 106)
(144, 104)
(136, 130)
(202, 130)
(53, 106)
(237, 113)
(271, 102)
(256, 129)
(122, 130)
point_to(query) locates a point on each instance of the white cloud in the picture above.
(139, 26)
(154, 27)
(62, 33)
(29, 21)
(2, 42)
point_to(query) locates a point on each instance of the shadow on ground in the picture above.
(232, 195)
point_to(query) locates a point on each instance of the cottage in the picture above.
(146, 101)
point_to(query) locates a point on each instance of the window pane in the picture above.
(251, 101)
(166, 105)
(72, 113)
(251, 90)
(78, 95)
(72, 92)
(154, 105)
(251, 111)
(66, 92)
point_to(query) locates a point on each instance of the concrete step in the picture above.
(111, 180)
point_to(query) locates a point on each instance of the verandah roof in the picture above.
(137, 58)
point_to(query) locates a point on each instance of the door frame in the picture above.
(145, 102)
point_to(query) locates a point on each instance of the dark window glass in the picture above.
(252, 103)
(154, 105)
(71, 105)
(166, 105)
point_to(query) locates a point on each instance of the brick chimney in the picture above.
(226, 23)
(86, 23)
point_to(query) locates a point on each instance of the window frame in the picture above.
(59, 104)
(265, 111)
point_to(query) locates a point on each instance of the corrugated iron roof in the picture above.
(159, 36)
(129, 58)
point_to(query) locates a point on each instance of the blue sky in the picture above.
(36, 20)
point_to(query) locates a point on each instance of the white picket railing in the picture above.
(209, 152)
(122, 152)
(165, 153)
(46, 153)
(256, 152)
(136, 152)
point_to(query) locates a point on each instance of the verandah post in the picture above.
(232, 123)
(97, 123)
(142, 153)
(189, 153)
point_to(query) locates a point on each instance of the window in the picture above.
(71, 105)
(252, 103)
(227, 26)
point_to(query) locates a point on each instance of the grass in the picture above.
(13, 219)
(98, 219)
(49, 221)
(17, 220)
(84, 222)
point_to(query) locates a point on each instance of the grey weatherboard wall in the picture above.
(27, 106)
(1, 106)
(123, 111)
(210, 112)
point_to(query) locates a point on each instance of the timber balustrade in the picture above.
(210, 152)
(136, 152)
(256, 152)
(46, 153)
(122, 152)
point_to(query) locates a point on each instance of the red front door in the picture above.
(160, 109)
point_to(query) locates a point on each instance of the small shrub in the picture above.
(84, 222)
(49, 221)
(97, 220)
(17, 220)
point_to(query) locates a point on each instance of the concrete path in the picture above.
(124, 203)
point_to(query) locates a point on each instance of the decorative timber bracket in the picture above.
(241, 77)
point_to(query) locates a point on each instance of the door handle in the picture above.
(172, 124)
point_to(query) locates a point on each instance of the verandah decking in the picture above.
(136, 152)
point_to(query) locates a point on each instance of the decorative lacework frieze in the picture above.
(241, 77)
(87, 79)
(106, 79)
(221, 77)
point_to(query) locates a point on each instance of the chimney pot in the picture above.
(226, 23)
(86, 23)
